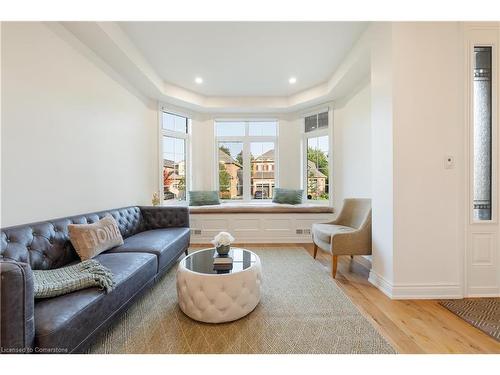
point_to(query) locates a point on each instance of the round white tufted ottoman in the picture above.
(212, 297)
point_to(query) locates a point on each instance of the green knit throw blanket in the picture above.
(87, 274)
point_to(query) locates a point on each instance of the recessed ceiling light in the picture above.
(292, 80)
(198, 80)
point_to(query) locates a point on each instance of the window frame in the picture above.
(246, 140)
(482, 40)
(319, 132)
(186, 137)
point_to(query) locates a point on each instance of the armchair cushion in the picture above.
(324, 232)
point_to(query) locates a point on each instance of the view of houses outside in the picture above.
(317, 168)
(174, 169)
(230, 170)
(262, 170)
(262, 174)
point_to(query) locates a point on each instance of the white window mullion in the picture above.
(246, 171)
(176, 134)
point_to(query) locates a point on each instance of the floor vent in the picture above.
(302, 231)
(196, 232)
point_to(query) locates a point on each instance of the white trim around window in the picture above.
(185, 136)
(246, 140)
(328, 131)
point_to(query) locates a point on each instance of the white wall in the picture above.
(203, 154)
(428, 126)
(352, 157)
(417, 113)
(382, 156)
(73, 139)
(290, 153)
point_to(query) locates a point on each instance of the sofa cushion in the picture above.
(203, 198)
(167, 244)
(90, 240)
(288, 196)
(324, 232)
(66, 321)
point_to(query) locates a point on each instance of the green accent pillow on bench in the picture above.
(203, 198)
(288, 196)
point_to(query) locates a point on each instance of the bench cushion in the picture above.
(66, 321)
(267, 208)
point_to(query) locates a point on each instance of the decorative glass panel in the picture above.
(317, 168)
(230, 170)
(482, 133)
(317, 121)
(323, 120)
(311, 123)
(262, 171)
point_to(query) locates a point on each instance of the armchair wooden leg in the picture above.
(315, 251)
(352, 256)
(334, 265)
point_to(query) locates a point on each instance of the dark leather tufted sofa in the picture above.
(154, 238)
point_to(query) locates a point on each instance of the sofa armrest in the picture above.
(165, 217)
(17, 304)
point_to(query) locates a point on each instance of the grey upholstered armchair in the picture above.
(349, 234)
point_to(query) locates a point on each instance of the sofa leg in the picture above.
(352, 256)
(315, 251)
(334, 265)
(186, 252)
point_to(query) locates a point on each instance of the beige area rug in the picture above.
(302, 310)
(482, 313)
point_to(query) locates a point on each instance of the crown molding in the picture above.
(113, 47)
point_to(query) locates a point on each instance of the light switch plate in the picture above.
(449, 162)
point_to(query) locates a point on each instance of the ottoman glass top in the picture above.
(203, 261)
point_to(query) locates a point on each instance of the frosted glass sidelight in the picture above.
(482, 133)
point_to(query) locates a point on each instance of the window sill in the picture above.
(250, 202)
(318, 202)
(175, 204)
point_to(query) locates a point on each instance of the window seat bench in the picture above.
(261, 208)
(257, 222)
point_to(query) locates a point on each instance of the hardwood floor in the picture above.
(411, 326)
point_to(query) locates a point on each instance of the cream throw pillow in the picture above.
(90, 240)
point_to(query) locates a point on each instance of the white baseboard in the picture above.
(476, 291)
(416, 291)
(381, 283)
